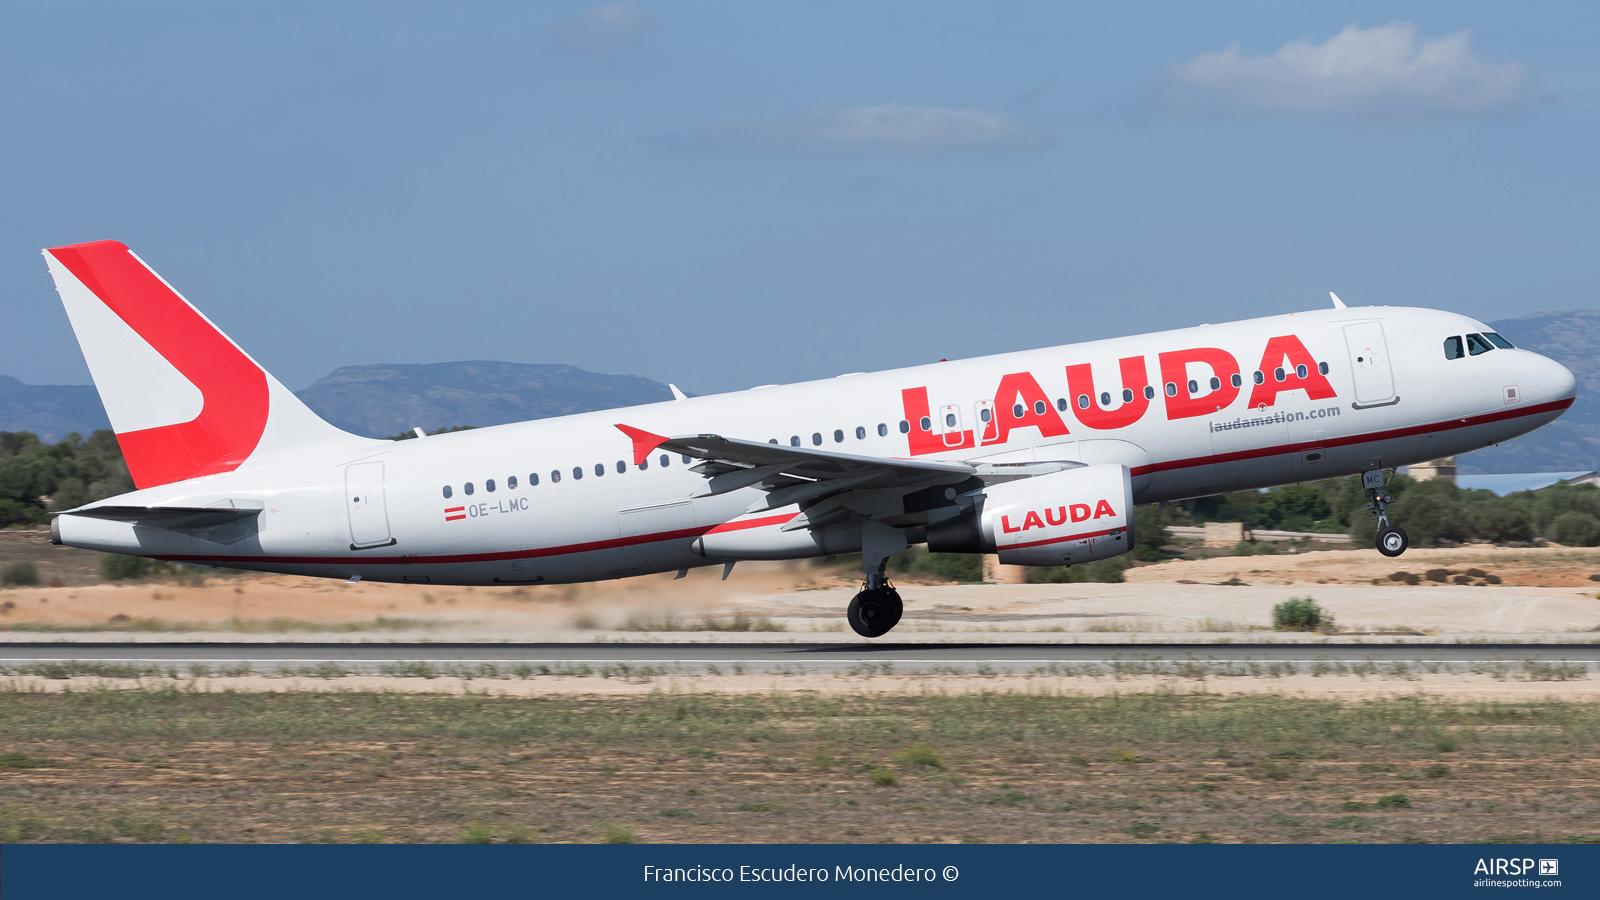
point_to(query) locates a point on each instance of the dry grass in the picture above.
(170, 764)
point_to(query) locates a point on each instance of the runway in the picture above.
(887, 658)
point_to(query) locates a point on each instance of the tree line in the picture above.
(36, 477)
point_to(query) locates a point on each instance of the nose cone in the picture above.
(1546, 381)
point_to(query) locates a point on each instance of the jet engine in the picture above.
(1072, 516)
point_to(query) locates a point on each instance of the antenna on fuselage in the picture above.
(1337, 303)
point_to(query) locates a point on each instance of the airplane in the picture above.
(1038, 456)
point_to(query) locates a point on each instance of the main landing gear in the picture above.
(876, 609)
(1392, 541)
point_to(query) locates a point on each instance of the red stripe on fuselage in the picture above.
(1391, 434)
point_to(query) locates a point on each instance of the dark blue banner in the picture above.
(65, 872)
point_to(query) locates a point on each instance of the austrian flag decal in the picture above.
(454, 513)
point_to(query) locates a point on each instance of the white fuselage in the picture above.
(330, 511)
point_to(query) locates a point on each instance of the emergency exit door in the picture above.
(363, 495)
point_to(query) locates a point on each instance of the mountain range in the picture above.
(387, 400)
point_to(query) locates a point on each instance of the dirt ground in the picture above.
(1541, 594)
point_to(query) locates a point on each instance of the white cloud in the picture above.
(604, 27)
(889, 129)
(1373, 73)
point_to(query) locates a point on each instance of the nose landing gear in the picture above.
(1392, 541)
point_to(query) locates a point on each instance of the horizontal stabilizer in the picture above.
(175, 517)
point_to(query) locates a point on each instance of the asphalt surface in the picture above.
(390, 658)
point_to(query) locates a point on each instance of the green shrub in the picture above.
(919, 755)
(618, 834)
(1394, 801)
(1575, 529)
(1301, 614)
(884, 778)
(20, 574)
(120, 568)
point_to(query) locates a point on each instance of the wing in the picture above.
(829, 486)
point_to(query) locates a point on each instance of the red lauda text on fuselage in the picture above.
(1021, 402)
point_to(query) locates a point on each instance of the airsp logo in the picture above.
(1501, 866)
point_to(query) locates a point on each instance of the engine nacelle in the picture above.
(1067, 517)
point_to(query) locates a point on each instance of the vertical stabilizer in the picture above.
(182, 397)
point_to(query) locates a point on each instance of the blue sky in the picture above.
(725, 195)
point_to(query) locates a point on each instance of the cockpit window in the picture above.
(1498, 341)
(1452, 348)
(1476, 344)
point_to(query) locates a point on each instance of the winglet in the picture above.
(677, 394)
(1337, 303)
(643, 441)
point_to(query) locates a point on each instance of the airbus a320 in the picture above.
(1038, 456)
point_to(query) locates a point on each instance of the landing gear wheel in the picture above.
(873, 612)
(1392, 541)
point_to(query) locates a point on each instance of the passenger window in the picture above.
(447, 492)
(1476, 344)
(468, 488)
(667, 460)
(905, 427)
(489, 485)
(1322, 368)
(1105, 398)
(599, 469)
(1083, 401)
(816, 439)
(1149, 392)
(883, 430)
(1498, 341)
(1061, 404)
(1278, 373)
(1257, 377)
(838, 435)
(555, 476)
(1017, 411)
(1301, 371)
(533, 479)
(1216, 383)
(644, 463)
(772, 440)
(861, 433)
(622, 467)
(1127, 395)
(1194, 387)
(1038, 407)
(949, 420)
(926, 423)
(794, 440)
(686, 459)
(577, 473)
(511, 483)
(1172, 389)
(1452, 348)
(1235, 380)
